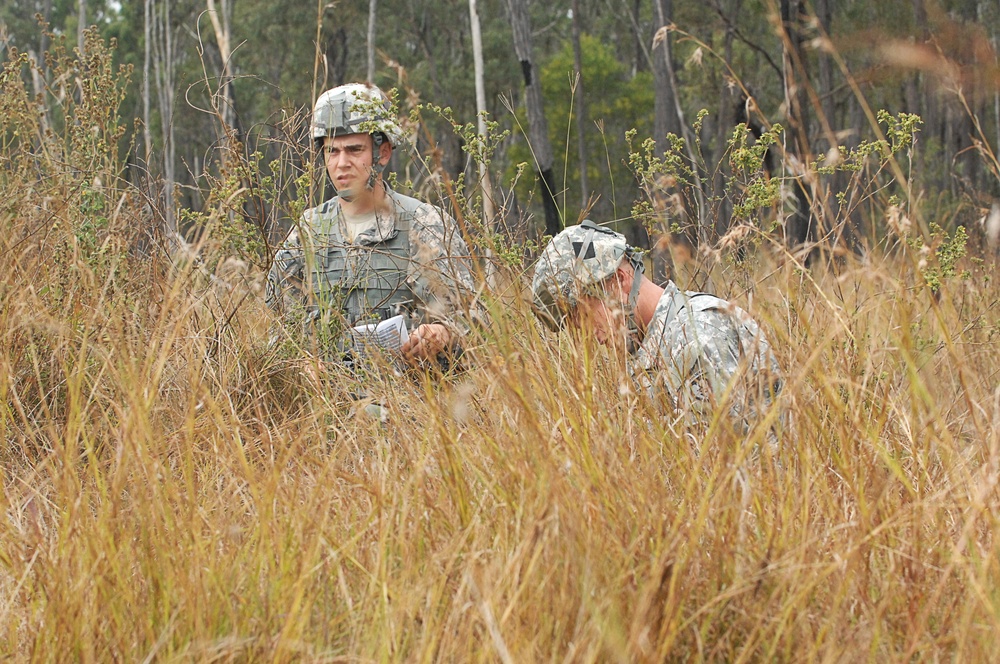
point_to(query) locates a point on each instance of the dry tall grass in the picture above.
(173, 489)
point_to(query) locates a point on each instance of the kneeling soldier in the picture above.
(696, 348)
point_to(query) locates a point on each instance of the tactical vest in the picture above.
(365, 282)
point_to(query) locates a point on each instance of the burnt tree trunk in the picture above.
(538, 127)
(799, 227)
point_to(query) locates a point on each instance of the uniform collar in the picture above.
(670, 302)
(385, 223)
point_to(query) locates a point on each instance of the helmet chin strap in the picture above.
(376, 166)
(350, 195)
(638, 269)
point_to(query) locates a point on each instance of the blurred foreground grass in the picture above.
(172, 488)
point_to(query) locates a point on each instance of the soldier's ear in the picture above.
(384, 153)
(623, 277)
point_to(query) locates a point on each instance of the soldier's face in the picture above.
(349, 162)
(602, 316)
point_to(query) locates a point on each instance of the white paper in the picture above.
(390, 334)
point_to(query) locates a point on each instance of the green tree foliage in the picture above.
(616, 102)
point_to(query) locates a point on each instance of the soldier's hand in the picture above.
(426, 342)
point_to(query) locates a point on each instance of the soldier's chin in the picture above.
(619, 340)
(347, 193)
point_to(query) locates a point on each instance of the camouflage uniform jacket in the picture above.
(414, 261)
(700, 350)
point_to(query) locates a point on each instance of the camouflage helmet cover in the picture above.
(575, 260)
(355, 108)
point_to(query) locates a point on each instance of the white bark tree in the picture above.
(477, 59)
(147, 126)
(372, 14)
(164, 71)
(581, 108)
(221, 18)
(81, 23)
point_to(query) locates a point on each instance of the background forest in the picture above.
(176, 487)
(213, 81)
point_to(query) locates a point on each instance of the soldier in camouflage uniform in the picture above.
(696, 348)
(371, 253)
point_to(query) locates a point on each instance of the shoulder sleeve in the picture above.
(441, 268)
(690, 353)
(284, 279)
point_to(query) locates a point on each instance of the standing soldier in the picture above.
(696, 348)
(370, 253)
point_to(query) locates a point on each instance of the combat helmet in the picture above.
(356, 108)
(575, 262)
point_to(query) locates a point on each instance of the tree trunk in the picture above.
(581, 108)
(824, 63)
(732, 110)
(827, 208)
(477, 59)
(163, 64)
(147, 131)
(672, 116)
(43, 39)
(798, 224)
(336, 53)
(37, 77)
(996, 103)
(372, 6)
(81, 23)
(221, 25)
(665, 120)
(929, 102)
(640, 54)
(538, 129)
